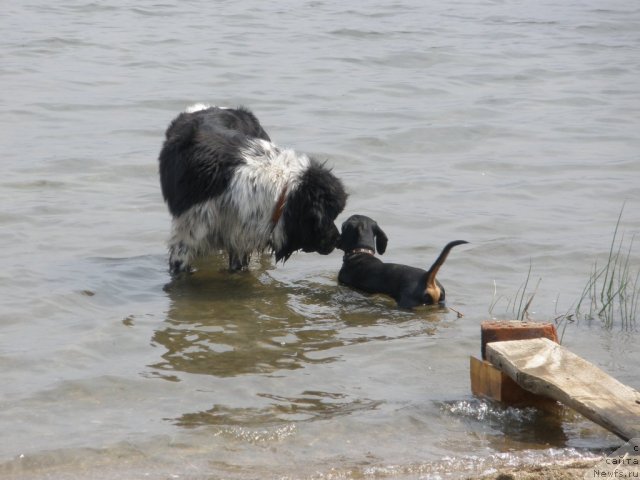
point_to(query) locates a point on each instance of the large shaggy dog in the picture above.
(229, 188)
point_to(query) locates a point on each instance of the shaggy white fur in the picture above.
(240, 219)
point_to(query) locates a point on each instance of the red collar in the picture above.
(368, 251)
(279, 208)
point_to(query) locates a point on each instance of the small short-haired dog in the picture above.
(408, 286)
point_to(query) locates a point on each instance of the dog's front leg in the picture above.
(239, 261)
(179, 258)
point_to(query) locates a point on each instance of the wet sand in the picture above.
(565, 471)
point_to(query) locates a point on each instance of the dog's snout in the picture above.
(325, 243)
(331, 242)
(325, 248)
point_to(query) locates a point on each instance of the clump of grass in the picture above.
(522, 310)
(563, 320)
(613, 290)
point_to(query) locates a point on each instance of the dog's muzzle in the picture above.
(327, 244)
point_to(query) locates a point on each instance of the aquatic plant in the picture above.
(563, 320)
(522, 311)
(613, 290)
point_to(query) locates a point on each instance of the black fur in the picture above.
(199, 160)
(312, 208)
(200, 154)
(363, 271)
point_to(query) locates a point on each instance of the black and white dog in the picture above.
(229, 188)
(408, 286)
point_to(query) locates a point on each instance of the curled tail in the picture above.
(432, 287)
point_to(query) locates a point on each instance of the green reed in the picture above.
(522, 299)
(613, 290)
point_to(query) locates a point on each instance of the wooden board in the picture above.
(546, 368)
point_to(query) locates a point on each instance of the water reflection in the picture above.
(233, 324)
(308, 406)
(246, 330)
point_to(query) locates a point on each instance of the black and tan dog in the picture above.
(408, 286)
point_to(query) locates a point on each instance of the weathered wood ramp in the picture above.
(546, 368)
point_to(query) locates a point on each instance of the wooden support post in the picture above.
(489, 382)
(500, 331)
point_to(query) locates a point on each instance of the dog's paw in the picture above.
(178, 268)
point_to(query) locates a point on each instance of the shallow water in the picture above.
(511, 125)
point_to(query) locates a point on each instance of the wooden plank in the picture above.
(546, 368)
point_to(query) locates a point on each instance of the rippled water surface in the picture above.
(513, 125)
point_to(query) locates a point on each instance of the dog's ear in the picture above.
(381, 239)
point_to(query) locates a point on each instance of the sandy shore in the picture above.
(568, 471)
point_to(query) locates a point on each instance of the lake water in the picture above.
(511, 124)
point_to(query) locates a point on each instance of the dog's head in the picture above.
(310, 212)
(433, 290)
(359, 231)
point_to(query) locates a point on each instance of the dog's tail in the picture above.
(432, 287)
